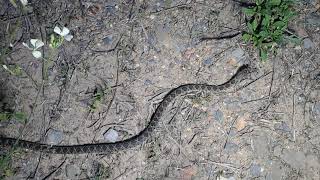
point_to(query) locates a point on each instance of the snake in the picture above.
(138, 139)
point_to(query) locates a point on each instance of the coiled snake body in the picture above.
(138, 139)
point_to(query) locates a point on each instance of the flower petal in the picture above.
(68, 37)
(57, 30)
(36, 54)
(5, 67)
(24, 2)
(33, 42)
(65, 31)
(38, 44)
(26, 45)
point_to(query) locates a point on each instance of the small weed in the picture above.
(6, 169)
(5, 166)
(268, 22)
(102, 172)
(13, 69)
(62, 34)
(19, 116)
(6, 48)
(56, 40)
(97, 99)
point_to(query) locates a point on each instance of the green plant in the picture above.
(57, 39)
(97, 99)
(102, 172)
(5, 166)
(19, 116)
(268, 21)
(13, 69)
(6, 48)
(6, 169)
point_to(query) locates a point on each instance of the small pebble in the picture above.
(255, 170)
(147, 82)
(307, 43)
(152, 39)
(231, 148)
(237, 54)
(208, 61)
(317, 110)
(218, 115)
(111, 135)
(283, 127)
(109, 10)
(107, 40)
(54, 137)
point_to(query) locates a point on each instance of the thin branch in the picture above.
(228, 36)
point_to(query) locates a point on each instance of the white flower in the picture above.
(5, 67)
(35, 45)
(63, 33)
(24, 2)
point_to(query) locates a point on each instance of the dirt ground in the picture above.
(135, 51)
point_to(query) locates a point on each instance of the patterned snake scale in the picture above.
(241, 74)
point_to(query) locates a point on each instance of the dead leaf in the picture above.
(232, 61)
(242, 121)
(188, 172)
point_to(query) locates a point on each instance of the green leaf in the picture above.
(263, 34)
(255, 41)
(275, 2)
(14, 4)
(55, 41)
(294, 40)
(268, 45)
(250, 28)
(254, 24)
(20, 116)
(279, 24)
(17, 70)
(4, 116)
(13, 69)
(277, 32)
(258, 2)
(246, 37)
(266, 20)
(263, 54)
(248, 11)
(269, 19)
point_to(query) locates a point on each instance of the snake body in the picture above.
(142, 136)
